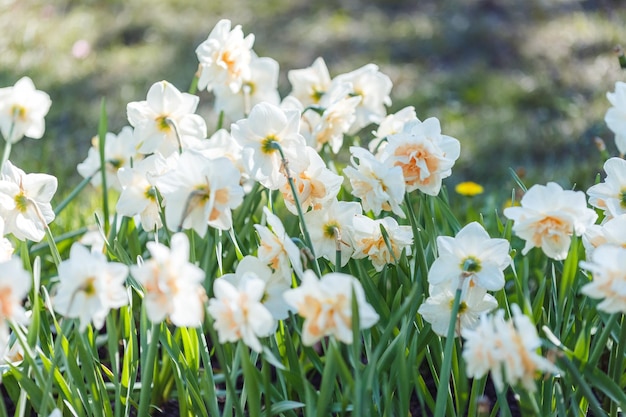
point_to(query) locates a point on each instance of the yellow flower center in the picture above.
(267, 146)
(329, 229)
(89, 288)
(18, 112)
(163, 124)
(21, 202)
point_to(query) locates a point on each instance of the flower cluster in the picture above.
(472, 262)
(507, 349)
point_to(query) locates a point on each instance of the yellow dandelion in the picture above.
(469, 188)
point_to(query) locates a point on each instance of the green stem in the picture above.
(56, 256)
(6, 153)
(102, 131)
(147, 371)
(600, 343)
(296, 200)
(443, 389)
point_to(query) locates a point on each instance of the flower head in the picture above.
(326, 305)
(277, 249)
(424, 154)
(173, 285)
(25, 202)
(15, 283)
(225, 57)
(608, 267)
(390, 125)
(437, 308)
(200, 192)
(369, 240)
(165, 121)
(22, 111)
(548, 218)
(378, 185)
(89, 287)
(610, 195)
(239, 313)
(331, 229)
(505, 347)
(119, 150)
(310, 84)
(469, 188)
(266, 126)
(471, 256)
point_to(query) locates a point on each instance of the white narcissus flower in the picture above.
(505, 347)
(328, 122)
(22, 111)
(275, 284)
(331, 229)
(424, 154)
(173, 285)
(369, 240)
(615, 117)
(277, 249)
(548, 218)
(138, 196)
(610, 195)
(239, 313)
(224, 57)
(380, 186)
(608, 267)
(15, 284)
(437, 308)
(373, 87)
(25, 202)
(119, 150)
(611, 232)
(89, 287)
(261, 85)
(390, 125)
(326, 306)
(266, 126)
(315, 184)
(200, 192)
(310, 84)
(471, 258)
(165, 121)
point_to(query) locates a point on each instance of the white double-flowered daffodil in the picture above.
(610, 195)
(15, 284)
(331, 229)
(172, 285)
(25, 202)
(507, 349)
(608, 268)
(238, 311)
(200, 192)
(310, 84)
(425, 155)
(89, 287)
(22, 111)
(437, 309)
(166, 120)
(119, 151)
(380, 186)
(267, 127)
(370, 242)
(326, 306)
(471, 256)
(225, 57)
(548, 218)
(277, 249)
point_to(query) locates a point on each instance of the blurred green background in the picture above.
(522, 84)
